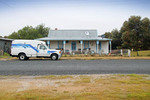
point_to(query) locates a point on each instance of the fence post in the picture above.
(121, 52)
(129, 53)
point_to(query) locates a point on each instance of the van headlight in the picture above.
(59, 51)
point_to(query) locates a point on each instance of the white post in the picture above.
(129, 53)
(64, 42)
(97, 43)
(121, 52)
(81, 42)
(110, 46)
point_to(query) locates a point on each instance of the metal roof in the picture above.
(6, 39)
(98, 38)
(73, 35)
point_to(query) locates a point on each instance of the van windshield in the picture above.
(42, 46)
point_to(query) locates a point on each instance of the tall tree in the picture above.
(135, 33)
(28, 32)
(108, 35)
(116, 39)
(43, 30)
(146, 33)
(115, 35)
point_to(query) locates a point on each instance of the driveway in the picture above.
(47, 67)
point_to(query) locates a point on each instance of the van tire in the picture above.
(22, 57)
(54, 57)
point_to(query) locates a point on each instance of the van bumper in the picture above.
(59, 56)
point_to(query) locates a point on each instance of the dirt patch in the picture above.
(82, 87)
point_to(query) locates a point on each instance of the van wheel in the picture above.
(54, 57)
(22, 57)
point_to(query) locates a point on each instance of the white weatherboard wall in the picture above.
(53, 44)
(92, 45)
(105, 47)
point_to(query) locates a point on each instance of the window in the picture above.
(42, 47)
(60, 44)
(86, 44)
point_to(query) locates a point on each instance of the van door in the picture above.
(42, 51)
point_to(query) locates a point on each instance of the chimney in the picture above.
(56, 28)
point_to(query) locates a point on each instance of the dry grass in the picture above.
(87, 57)
(102, 58)
(76, 87)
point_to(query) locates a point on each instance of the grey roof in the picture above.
(98, 38)
(6, 39)
(73, 35)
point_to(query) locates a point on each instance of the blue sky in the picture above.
(103, 15)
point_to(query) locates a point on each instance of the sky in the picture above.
(102, 15)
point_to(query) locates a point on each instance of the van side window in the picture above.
(42, 47)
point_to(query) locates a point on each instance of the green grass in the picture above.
(5, 55)
(141, 53)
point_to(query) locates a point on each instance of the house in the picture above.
(5, 45)
(77, 41)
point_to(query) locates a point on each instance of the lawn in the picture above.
(75, 87)
(141, 53)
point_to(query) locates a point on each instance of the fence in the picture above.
(121, 52)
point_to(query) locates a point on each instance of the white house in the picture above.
(77, 41)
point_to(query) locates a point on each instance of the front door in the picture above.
(73, 46)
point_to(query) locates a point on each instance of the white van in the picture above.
(24, 49)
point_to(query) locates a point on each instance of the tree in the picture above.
(42, 30)
(116, 39)
(115, 35)
(14, 35)
(135, 33)
(108, 35)
(146, 33)
(28, 32)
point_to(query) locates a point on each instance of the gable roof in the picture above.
(73, 35)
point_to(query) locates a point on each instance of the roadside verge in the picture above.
(76, 87)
